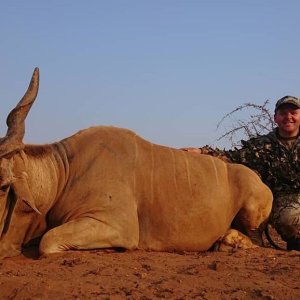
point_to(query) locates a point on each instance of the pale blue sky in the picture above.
(169, 70)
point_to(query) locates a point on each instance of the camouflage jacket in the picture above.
(278, 166)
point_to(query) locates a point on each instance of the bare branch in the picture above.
(259, 122)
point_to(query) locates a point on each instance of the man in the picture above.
(276, 157)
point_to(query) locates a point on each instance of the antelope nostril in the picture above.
(4, 188)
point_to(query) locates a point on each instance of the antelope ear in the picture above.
(21, 190)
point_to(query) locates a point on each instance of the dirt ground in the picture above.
(262, 273)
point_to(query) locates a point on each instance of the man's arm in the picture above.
(207, 150)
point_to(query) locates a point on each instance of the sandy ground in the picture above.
(262, 273)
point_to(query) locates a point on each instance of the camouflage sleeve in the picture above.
(237, 155)
(249, 155)
(216, 152)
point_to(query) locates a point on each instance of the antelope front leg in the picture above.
(87, 233)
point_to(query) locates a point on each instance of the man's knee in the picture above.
(288, 232)
(285, 218)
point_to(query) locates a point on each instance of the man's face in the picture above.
(287, 117)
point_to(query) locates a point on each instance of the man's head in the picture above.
(287, 100)
(287, 116)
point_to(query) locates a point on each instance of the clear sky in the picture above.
(168, 70)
